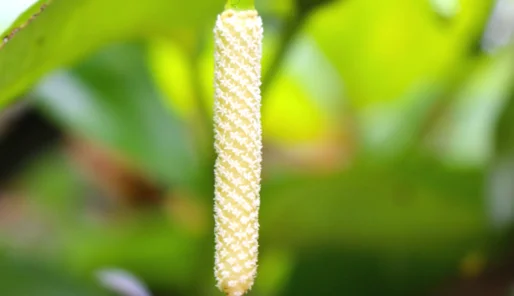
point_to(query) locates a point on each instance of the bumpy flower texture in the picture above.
(238, 144)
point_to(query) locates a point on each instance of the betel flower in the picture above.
(238, 143)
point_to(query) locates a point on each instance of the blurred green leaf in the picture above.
(353, 271)
(464, 133)
(20, 277)
(53, 184)
(111, 98)
(397, 61)
(403, 225)
(69, 30)
(304, 7)
(392, 47)
(504, 138)
(410, 205)
(446, 8)
(275, 7)
(501, 167)
(151, 247)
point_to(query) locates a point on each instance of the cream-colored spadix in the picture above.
(238, 143)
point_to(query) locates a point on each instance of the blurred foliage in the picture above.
(109, 109)
(387, 160)
(40, 280)
(68, 31)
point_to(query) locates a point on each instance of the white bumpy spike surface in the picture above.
(238, 144)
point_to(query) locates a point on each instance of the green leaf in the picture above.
(403, 226)
(391, 47)
(446, 8)
(28, 277)
(150, 246)
(464, 134)
(239, 4)
(501, 169)
(416, 205)
(111, 99)
(69, 30)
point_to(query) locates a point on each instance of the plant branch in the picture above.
(292, 28)
(240, 4)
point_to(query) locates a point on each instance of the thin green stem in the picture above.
(240, 4)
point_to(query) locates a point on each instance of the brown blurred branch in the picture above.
(114, 176)
(497, 280)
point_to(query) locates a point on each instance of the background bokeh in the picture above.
(388, 148)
